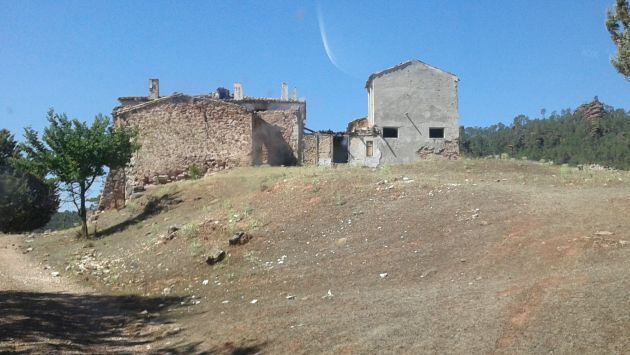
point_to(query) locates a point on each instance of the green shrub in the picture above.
(26, 202)
(194, 172)
(190, 230)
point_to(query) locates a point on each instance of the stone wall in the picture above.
(309, 155)
(318, 149)
(270, 142)
(179, 132)
(113, 195)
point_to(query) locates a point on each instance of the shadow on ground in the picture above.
(153, 206)
(57, 322)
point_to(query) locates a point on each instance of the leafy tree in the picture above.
(26, 201)
(617, 23)
(8, 147)
(76, 154)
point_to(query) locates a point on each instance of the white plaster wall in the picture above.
(413, 99)
(357, 151)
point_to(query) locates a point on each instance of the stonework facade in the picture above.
(179, 134)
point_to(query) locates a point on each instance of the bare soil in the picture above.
(472, 256)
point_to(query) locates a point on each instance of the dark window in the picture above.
(369, 148)
(436, 132)
(390, 132)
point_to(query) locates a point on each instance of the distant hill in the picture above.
(592, 134)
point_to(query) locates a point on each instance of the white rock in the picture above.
(254, 301)
(205, 282)
(383, 275)
(55, 274)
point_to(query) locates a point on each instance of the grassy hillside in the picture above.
(439, 256)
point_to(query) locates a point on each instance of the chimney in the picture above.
(294, 95)
(238, 91)
(154, 89)
(285, 92)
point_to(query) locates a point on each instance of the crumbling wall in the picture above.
(271, 142)
(442, 149)
(357, 151)
(318, 149)
(180, 132)
(113, 195)
(310, 150)
(278, 134)
(288, 116)
(325, 149)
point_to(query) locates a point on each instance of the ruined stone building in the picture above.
(179, 134)
(412, 115)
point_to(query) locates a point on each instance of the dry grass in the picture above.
(481, 256)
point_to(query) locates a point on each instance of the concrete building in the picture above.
(412, 115)
(180, 133)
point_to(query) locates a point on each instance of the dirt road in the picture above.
(42, 313)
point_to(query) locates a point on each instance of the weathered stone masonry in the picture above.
(178, 133)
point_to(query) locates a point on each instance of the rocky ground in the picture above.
(469, 256)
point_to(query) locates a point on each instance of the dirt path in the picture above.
(19, 273)
(42, 313)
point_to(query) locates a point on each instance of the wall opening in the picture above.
(390, 132)
(435, 132)
(268, 144)
(369, 148)
(340, 149)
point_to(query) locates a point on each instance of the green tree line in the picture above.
(567, 137)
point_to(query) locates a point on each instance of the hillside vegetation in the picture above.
(592, 134)
(441, 256)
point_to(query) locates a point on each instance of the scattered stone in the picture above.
(428, 272)
(328, 294)
(167, 291)
(204, 282)
(225, 302)
(30, 249)
(282, 259)
(215, 256)
(144, 312)
(161, 179)
(254, 301)
(239, 238)
(604, 233)
(341, 242)
(383, 275)
(290, 297)
(55, 274)
(138, 188)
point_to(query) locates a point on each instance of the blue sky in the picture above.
(511, 57)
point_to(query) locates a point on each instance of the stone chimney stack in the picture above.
(238, 91)
(154, 89)
(294, 95)
(285, 92)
